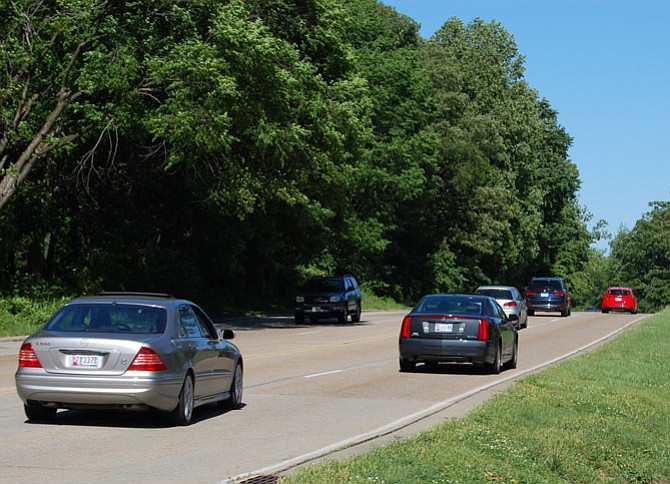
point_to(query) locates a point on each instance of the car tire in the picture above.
(495, 367)
(38, 412)
(565, 313)
(235, 400)
(299, 319)
(605, 311)
(342, 318)
(512, 363)
(356, 317)
(407, 366)
(182, 415)
(531, 312)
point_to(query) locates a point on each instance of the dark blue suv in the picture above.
(548, 294)
(329, 297)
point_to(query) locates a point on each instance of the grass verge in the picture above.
(603, 417)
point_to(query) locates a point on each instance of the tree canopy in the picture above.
(227, 150)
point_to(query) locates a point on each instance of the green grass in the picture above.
(21, 316)
(601, 418)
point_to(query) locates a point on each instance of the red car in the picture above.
(619, 299)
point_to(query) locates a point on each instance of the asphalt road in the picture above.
(310, 392)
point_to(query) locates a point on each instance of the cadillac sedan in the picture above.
(130, 351)
(461, 328)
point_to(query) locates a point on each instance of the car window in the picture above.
(325, 284)
(619, 292)
(552, 284)
(109, 318)
(496, 293)
(205, 323)
(189, 325)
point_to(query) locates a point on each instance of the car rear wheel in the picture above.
(496, 365)
(183, 414)
(531, 312)
(342, 318)
(235, 400)
(38, 412)
(407, 365)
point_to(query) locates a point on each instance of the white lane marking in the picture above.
(308, 332)
(413, 418)
(322, 374)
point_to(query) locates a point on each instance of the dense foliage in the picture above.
(225, 150)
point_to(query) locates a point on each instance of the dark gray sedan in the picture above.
(129, 351)
(462, 328)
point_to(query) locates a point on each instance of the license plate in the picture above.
(444, 327)
(618, 298)
(316, 310)
(85, 361)
(545, 294)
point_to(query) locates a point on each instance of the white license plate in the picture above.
(545, 294)
(618, 298)
(316, 310)
(85, 361)
(444, 328)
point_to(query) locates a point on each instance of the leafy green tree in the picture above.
(640, 258)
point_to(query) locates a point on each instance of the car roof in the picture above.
(496, 287)
(130, 297)
(619, 287)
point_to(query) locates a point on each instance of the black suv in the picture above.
(548, 294)
(329, 297)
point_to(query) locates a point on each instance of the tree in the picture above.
(640, 258)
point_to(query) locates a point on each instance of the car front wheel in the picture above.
(512, 363)
(356, 317)
(496, 365)
(183, 414)
(235, 400)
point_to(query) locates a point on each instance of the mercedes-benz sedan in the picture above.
(129, 351)
(462, 328)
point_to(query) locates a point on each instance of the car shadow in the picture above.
(452, 369)
(141, 419)
(252, 323)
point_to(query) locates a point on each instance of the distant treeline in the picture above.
(226, 150)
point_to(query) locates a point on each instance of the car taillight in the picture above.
(27, 357)
(531, 293)
(559, 293)
(510, 304)
(404, 329)
(483, 334)
(147, 360)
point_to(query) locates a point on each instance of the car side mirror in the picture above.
(226, 334)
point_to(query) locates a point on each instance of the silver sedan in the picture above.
(129, 351)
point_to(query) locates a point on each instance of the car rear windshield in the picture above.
(450, 305)
(618, 292)
(496, 293)
(109, 318)
(545, 284)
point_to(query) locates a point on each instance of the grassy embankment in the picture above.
(603, 417)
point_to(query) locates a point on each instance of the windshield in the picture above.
(108, 318)
(326, 284)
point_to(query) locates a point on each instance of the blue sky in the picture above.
(604, 65)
